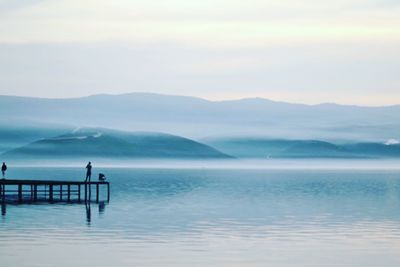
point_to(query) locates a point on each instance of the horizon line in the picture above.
(203, 98)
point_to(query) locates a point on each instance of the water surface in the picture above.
(214, 217)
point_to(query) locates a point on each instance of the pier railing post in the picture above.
(79, 192)
(69, 192)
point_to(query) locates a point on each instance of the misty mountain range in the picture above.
(198, 118)
(280, 148)
(89, 143)
(255, 128)
(100, 143)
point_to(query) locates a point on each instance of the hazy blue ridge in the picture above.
(279, 148)
(103, 143)
(199, 118)
(12, 137)
(106, 143)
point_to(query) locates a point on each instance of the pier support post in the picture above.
(50, 192)
(35, 192)
(20, 192)
(108, 192)
(3, 194)
(97, 192)
(3, 209)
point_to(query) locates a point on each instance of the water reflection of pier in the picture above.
(101, 206)
(15, 192)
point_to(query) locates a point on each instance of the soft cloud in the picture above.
(207, 23)
(301, 51)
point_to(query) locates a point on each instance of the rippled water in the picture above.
(172, 217)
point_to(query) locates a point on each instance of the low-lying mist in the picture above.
(262, 164)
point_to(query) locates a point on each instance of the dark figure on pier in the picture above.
(3, 170)
(102, 177)
(88, 172)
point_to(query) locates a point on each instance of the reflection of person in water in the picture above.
(3, 170)
(88, 213)
(88, 172)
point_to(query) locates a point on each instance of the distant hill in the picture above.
(279, 148)
(92, 143)
(199, 118)
(104, 143)
(14, 136)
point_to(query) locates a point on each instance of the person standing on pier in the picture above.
(88, 172)
(3, 170)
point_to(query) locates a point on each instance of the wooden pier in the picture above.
(50, 190)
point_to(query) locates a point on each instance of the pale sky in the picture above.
(306, 51)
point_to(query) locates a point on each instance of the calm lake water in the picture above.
(199, 217)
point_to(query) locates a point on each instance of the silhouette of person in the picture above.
(3, 170)
(88, 172)
(102, 177)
